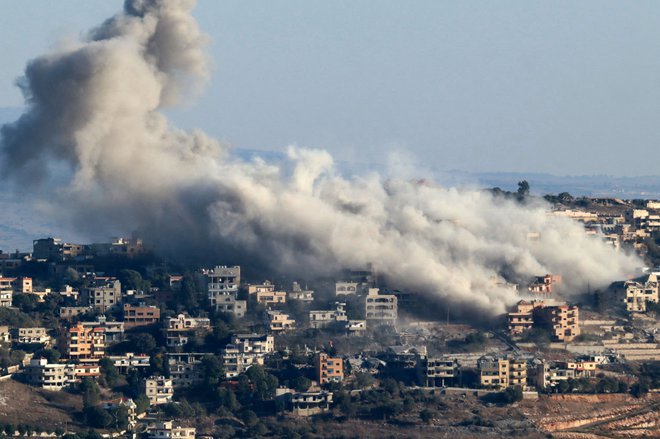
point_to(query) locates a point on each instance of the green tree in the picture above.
(301, 384)
(109, 371)
(523, 189)
(90, 392)
(143, 343)
(131, 280)
(426, 416)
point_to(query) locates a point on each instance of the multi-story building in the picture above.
(381, 308)
(328, 369)
(440, 372)
(270, 297)
(114, 331)
(54, 250)
(85, 343)
(561, 321)
(168, 430)
(297, 293)
(222, 281)
(231, 305)
(346, 288)
(49, 376)
(130, 361)
(325, 318)
(180, 328)
(6, 298)
(69, 312)
(159, 390)
(279, 321)
(308, 403)
(356, 327)
(522, 318)
(30, 335)
(104, 294)
(544, 285)
(141, 315)
(185, 368)
(550, 374)
(244, 351)
(502, 372)
(639, 294)
(266, 287)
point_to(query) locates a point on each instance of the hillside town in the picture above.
(122, 343)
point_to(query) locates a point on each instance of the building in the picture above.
(544, 285)
(561, 321)
(346, 288)
(244, 351)
(356, 327)
(169, 430)
(266, 287)
(85, 343)
(298, 293)
(502, 372)
(325, 318)
(69, 312)
(381, 308)
(231, 305)
(6, 298)
(279, 321)
(222, 281)
(185, 368)
(440, 372)
(159, 390)
(104, 294)
(180, 329)
(639, 294)
(550, 374)
(270, 297)
(48, 376)
(140, 315)
(308, 403)
(130, 361)
(328, 369)
(54, 250)
(522, 318)
(114, 331)
(128, 403)
(69, 292)
(30, 335)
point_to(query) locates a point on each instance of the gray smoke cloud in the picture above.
(94, 106)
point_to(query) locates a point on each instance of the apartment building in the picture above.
(140, 315)
(328, 369)
(502, 372)
(185, 368)
(54, 250)
(308, 403)
(69, 312)
(522, 318)
(440, 371)
(270, 297)
(130, 361)
(244, 351)
(356, 327)
(104, 294)
(279, 321)
(159, 390)
(6, 298)
(325, 318)
(544, 285)
(222, 281)
(381, 308)
(85, 343)
(549, 374)
(180, 328)
(114, 331)
(48, 376)
(266, 287)
(561, 321)
(638, 294)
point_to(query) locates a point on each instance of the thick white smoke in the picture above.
(95, 107)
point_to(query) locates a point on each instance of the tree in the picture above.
(213, 371)
(523, 189)
(143, 343)
(131, 280)
(142, 403)
(90, 392)
(639, 389)
(109, 371)
(301, 384)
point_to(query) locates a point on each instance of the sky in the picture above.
(562, 87)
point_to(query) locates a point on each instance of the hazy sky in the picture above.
(559, 87)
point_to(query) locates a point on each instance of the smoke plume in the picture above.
(94, 106)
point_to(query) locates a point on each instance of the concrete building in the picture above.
(54, 250)
(266, 287)
(140, 315)
(522, 318)
(222, 281)
(85, 343)
(6, 298)
(244, 351)
(104, 294)
(308, 403)
(502, 372)
(328, 369)
(114, 331)
(279, 321)
(346, 288)
(69, 312)
(639, 294)
(561, 321)
(544, 285)
(440, 371)
(36, 335)
(550, 374)
(130, 361)
(48, 376)
(356, 327)
(297, 293)
(325, 318)
(159, 390)
(169, 430)
(270, 297)
(180, 328)
(381, 308)
(229, 304)
(185, 368)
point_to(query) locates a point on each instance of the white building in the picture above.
(159, 390)
(639, 294)
(324, 318)
(346, 288)
(381, 308)
(168, 430)
(222, 281)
